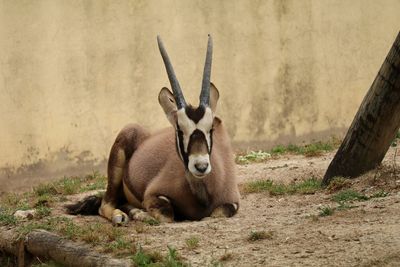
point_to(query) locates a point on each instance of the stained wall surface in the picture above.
(73, 73)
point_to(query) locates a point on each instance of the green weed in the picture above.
(260, 235)
(379, 194)
(42, 211)
(309, 150)
(72, 185)
(325, 211)
(172, 259)
(151, 221)
(253, 156)
(349, 195)
(7, 218)
(309, 186)
(192, 242)
(120, 246)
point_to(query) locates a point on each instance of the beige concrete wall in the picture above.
(72, 73)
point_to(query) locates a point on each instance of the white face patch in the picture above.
(187, 126)
(201, 161)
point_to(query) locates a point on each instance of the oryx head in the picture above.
(193, 125)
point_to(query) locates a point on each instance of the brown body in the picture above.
(155, 169)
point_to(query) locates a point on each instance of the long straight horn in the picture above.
(176, 88)
(205, 87)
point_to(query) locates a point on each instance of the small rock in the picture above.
(25, 214)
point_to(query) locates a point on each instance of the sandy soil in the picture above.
(366, 235)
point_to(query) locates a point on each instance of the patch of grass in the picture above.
(72, 185)
(142, 258)
(325, 211)
(379, 194)
(151, 221)
(111, 238)
(253, 156)
(309, 150)
(45, 189)
(44, 200)
(349, 195)
(120, 246)
(94, 181)
(344, 206)
(309, 186)
(172, 259)
(316, 149)
(16, 201)
(260, 186)
(42, 211)
(192, 242)
(62, 225)
(260, 235)
(280, 149)
(7, 218)
(215, 263)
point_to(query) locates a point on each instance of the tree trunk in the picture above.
(375, 125)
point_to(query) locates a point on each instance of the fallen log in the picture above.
(44, 244)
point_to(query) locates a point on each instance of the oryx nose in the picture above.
(201, 167)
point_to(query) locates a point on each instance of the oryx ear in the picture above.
(167, 102)
(214, 96)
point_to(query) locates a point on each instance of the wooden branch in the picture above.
(44, 244)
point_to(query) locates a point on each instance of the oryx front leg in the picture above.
(225, 210)
(136, 214)
(159, 207)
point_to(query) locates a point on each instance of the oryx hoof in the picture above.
(119, 218)
(226, 210)
(139, 215)
(161, 217)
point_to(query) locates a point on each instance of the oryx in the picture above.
(186, 171)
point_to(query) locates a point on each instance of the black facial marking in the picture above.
(180, 147)
(211, 140)
(195, 114)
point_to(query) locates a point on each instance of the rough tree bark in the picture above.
(375, 125)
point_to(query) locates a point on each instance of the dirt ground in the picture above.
(366, 235)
